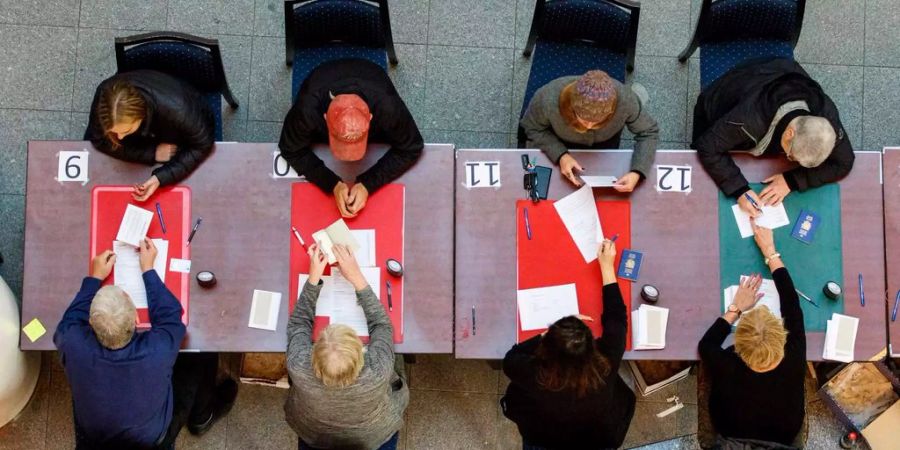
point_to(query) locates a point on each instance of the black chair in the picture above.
(571, 37)
(316, 31)
(732, 31)
(193, 59)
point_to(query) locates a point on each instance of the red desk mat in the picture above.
(313, 210)
(551, 258)
(108, 205)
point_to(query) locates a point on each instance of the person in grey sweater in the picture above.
(590, 111)
(343, 396)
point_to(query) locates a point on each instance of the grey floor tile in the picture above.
(481, 23)
(452, 420)
(681, 443)
(466, 139)
(28, 430)
(468, 89)
(687, 388)
(234, 128)
(409, 21)
(521, 71)
(524, 16)
(646, 428)
(127, 14)
(409, 78)
(214, 439)
(78, 125)
(203, 17)
(882, 94)
(666, 82)
(44, 63)
(824, 428)
(844, 84)
(831, 30)
(258, 131)
(12, 242)
(446, 373)
(686, 420)
(270, 82)
(40, 12)
(693, 91)
(257, 420)
(664, 27)
(508, 437)
(502, 383)
(236, 57)
(17, 126)
(269, 18)
(96, 62)
(882, 33)
(60, 425)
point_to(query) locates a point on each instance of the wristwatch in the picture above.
(734, 309)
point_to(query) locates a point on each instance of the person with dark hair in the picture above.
(565, 391)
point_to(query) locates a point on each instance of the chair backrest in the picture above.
(312, 23)
(731, 20)
(611, 24)
(190, 58)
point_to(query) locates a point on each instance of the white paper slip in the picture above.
(540, 307)
(840, 338)
(127, 271)
(336, 233)
(365, 255)
(770, 298)
(772, 217)
(599, 180)
(578, 212)
(180, 265)
(264, 310)
(134, 225)
(648, 327)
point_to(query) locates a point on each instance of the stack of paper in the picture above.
(770, 298)
(840, 338)
(264, 310)
(599, 180)
(578, 212)
(337, 299)
(540, 307)
(772, 217)
(127, 271)
(648, 327)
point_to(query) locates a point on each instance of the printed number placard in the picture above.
(73, 166)
(481, 174)
(281, 168)
(673, 178)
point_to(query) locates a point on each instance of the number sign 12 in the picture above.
(281, 168)
(73, 166)
(673, 178)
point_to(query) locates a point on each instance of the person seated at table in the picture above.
(770, 107)
(590, 111)
(348, 103)
(132, 390)
(757, 385)
(342, 395)
(149, 117)
(565, 391)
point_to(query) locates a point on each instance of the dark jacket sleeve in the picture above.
(790, 310)
(78, 311)
(196, 130)
(834, 168)
(165, 313)
(713, 147)
(517, 362)
(615, 325)
(710, 346)
(296, 147)
(133, 149)
(406, 147)
(380, 353)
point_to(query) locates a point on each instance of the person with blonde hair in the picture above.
(343, 395)
(149, 117)
(757, 385)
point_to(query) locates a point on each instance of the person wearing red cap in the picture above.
(346, 102)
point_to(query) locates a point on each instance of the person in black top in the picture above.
(770, 107)
(757, 390)
(565, 391)
(345, 102)
(149, 117)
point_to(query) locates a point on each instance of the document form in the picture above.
(337, 298)
(127, 271)
(770, 298)
(134, 225)
(772, 217)
(540, 307)
(578, 212)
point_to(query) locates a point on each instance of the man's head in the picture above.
(590, 101)
(808, 140)
(337, 356)
(112, 317)
(348, 120)
(759, 339)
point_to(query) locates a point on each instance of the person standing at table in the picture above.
(770, 107)
(590, 111)
(133, 390)
(150, 117)
(757, 385)
(565, 390)
(341, 395)
(347, 103)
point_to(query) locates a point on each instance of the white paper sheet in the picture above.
(365, 255)
(336, 233)
(337, 298)
(599, 180)
(264, 310)
(540, 307)
(770, 298)
(180, 265)
(127, 271)
(772, 217)
(134, 225)
(840, 338)
(578, 212)
(648, 327)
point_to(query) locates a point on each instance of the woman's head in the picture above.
(120, 110)
(759, 339)
(337, 356)
(568, 359)
(590, 101)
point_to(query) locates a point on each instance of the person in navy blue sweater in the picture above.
(132, 390)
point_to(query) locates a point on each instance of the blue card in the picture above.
(805, 226)
(630, 265)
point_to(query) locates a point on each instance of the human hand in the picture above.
(141, 192)
(341, 198)
(606, 254)
(584, 318)
(775, 191)
(357, 199)
(748, 207)
(748, 293)
(627, 182)
(102, 265)
(567, 166)
(318, 260)
(349, 267)
(165, 152)
(764, 238)
(148, 254)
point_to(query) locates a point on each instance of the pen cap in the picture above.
(650, 293)
(394, 267)
(832, 290)
(206, 279)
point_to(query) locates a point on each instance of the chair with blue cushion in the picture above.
(571, 37)
(193, 59)
(316, 31)
(730, 32)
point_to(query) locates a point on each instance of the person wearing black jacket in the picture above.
(565, 391)
(149, 117)
(346, 102)
(757, 385)
(770, 107)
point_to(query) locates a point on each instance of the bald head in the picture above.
(112, 317)
(813, 140)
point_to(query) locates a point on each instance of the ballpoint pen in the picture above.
(527, 225)
(194, 231)
(806, 297)
(752, 202)
(299, 239)
(894, 313)
(473, 320)
(390, 300)
(615, 236)
(162, 223)
(862, 292)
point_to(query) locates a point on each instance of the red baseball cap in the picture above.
(348, 120)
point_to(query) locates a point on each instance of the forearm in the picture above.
(300, 323)
(711, 343)
(390, 167)
(164, 308)
(646, 137)
(376, 317)
(182, 165)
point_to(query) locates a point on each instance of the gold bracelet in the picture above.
(773, 255)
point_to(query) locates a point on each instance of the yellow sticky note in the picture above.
(34, 330)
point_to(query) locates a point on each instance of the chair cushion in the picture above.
(552, 60)
(188, 62)
(347, 21)
(306, 59)
(718, 58)
(587, 20)
(214, 100)
(732, 20)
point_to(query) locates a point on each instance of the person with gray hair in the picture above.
(770, 107)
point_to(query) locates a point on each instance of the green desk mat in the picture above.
(810, 265)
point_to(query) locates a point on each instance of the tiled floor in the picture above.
(462, 75)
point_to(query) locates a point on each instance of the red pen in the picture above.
(300, 239)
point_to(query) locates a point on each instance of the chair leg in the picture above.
(392, 54)
(687, 52)
(229, 97)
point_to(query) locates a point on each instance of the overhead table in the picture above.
(892, 236)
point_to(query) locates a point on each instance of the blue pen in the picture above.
(752, 202)
(616, 236)
(862, 292)
(162, 222)
(527, 225)
(896, 302)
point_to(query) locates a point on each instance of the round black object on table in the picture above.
(832, 290)
(650, 293)
(206, 279)
(394, 267)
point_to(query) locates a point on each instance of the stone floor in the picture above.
(462, 75)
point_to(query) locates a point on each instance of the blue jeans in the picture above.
(391, 443)
(526, 446)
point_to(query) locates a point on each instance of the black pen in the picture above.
(194, 231)
(390, 301)
(527, 225)
(162, 223)
(473, 320)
